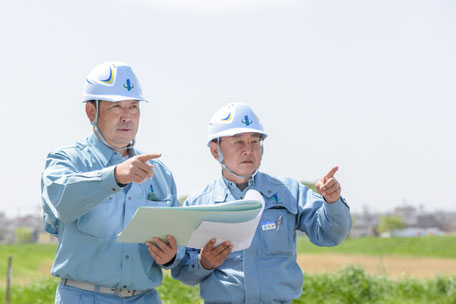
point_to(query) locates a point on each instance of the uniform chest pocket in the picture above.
(142, 195)
(104, 221)
(276, 231)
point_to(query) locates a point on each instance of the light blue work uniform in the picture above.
(267, 272)
(86, 209)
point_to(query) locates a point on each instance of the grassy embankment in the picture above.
(435, 246)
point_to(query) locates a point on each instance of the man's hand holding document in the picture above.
(194, 226)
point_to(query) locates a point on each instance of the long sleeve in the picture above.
(325, 224)
(190, 271)
(69, 192)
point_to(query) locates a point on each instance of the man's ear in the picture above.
(213, 146)
(91, 111)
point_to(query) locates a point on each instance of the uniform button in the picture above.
(127, 257)
(125, 286)
(129, 198)
(110, 198)
(269, 191)
(113, 189)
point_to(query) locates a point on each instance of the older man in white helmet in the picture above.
(90, 191)
(267, 272)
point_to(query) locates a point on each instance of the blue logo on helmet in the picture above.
(128, 85)
(246, 121)
(110, 79)
(228, 118)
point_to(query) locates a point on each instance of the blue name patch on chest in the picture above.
(268, 225)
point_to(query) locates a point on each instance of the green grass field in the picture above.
(349, 285)
(30, 261)
(429, 246)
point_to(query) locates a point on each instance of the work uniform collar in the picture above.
(274, 192)
(224, 187)
(259, 181)
(264, 186)
(104, 153)
(236, 193)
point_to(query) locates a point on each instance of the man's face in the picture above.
(117, 121)
(241, 153)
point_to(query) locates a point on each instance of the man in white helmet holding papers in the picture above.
(267, 272)
(90, 191)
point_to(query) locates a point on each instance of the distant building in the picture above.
(9, 225)
(409, 214)
(417, 222)
(5, 230)
(364, 224)
(427, 221)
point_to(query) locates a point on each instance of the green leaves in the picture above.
(389, 223)
(354, 286)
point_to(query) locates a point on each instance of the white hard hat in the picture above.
(232, 119)
(112, 81)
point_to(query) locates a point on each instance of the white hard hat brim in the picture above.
(112, 98)
(234, 131)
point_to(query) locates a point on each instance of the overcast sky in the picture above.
(369, 86)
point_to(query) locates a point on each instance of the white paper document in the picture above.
(194, 226)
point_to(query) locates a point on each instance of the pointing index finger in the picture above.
(149, 156)
(331, 172)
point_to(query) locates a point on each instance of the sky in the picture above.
(369, 86)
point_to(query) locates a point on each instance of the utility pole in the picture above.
(8, 281)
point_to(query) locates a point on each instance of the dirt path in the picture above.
(393, 266)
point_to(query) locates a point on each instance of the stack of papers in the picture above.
(194, 226)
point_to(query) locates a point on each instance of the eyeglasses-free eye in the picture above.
(240, 144)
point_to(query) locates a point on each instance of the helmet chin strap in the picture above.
(222, 163)
(100, 136)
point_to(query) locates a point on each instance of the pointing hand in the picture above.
(329, 187)
(135, 169)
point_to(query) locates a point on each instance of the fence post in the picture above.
(8, 281)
